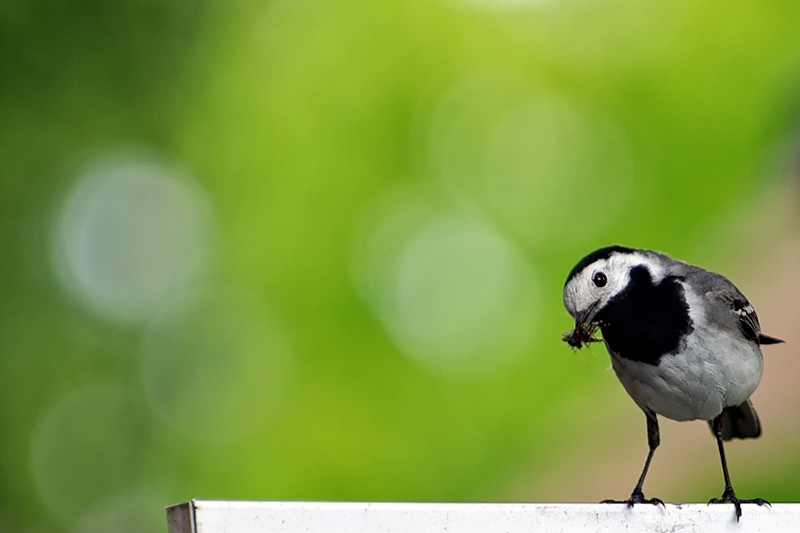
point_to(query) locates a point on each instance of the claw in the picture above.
(730, 497)
(637, 496)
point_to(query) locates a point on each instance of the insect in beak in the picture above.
(582, 334)
(585, 328)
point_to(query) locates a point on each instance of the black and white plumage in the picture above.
(683, 341)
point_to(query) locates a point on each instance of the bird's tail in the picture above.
(739, 422)
(766, 339)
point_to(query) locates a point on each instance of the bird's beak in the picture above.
(586, 317)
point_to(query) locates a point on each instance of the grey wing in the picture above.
(748, 319)
(730, 305)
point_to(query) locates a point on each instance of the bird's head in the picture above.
(595, 281)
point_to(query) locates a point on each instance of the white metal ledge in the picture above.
(199, 516)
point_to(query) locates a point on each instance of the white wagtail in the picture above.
(684, 342)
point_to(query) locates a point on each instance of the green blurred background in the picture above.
(307, 249)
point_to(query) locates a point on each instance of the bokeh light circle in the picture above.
(453, 293)
(84, 448)
(135, 510)
(218, 370)
(548, 167)
(132, 238)
(548, 170)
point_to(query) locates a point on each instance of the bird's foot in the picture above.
(730, 497)
(637, 496)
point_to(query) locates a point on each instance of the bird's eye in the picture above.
(599, 279)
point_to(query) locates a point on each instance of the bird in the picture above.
(684, 342)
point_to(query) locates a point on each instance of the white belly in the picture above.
(698, 382)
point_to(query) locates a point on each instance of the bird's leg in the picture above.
(653, 440)
(728, 496)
